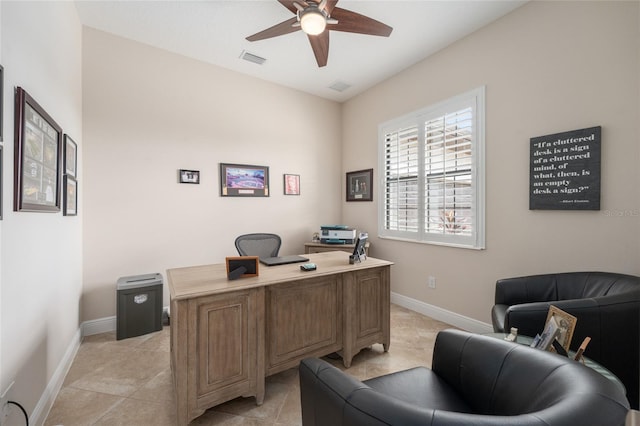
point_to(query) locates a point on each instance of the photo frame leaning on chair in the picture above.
(566, 324)
(557, 333)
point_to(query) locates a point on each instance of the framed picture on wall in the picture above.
(360, 185)
(38, 141)
(242, 180)
(189, 176)
(70, 196)
(70, 156)
(291, 184)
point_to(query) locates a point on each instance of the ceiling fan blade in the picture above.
(331, 4)
(289, 4)
(320, 46)
(277, 30)
(352, 22)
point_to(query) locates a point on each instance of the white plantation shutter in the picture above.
(401, 180)
(432, 162)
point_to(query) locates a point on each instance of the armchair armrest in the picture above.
(331, 397)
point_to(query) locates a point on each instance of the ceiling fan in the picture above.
(316, 18)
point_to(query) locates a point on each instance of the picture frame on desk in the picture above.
(242, 266)
(360, 185)
(38, 142)
(244, 180)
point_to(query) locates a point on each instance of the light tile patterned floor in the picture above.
(128, 382)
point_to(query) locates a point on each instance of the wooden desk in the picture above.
(316, 247)
(227, 336)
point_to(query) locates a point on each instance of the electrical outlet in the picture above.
(4, 407)
(431, 282)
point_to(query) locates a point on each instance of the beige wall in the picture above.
(548, 67)
(41, 263)
(148, 113)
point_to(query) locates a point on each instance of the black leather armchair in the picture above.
(607, 306)
(474, 380)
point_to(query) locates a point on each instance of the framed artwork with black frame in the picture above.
(242, 180)
(291, 184)
(70, 196)
(360, 185)
(38, 141)
(70, 157)
(189, 176)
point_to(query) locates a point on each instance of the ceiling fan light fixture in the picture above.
(312, 21)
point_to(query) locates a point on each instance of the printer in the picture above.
(337, 234)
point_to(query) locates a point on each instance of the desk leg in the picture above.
(347, 358)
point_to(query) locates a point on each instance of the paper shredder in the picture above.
(139, 305)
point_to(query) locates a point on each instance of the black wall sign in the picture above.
(564, 171)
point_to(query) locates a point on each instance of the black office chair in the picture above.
(261, 245)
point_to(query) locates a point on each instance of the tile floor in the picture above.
(128, 382)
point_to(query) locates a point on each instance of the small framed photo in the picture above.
(70, 206)
(566, 325)
(360, 185)
(545, 340)
(242, 266)
(242, 180)
(291, 184)
(70, 157)
(189, 176)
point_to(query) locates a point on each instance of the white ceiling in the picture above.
(214, 31)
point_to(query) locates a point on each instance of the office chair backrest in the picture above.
(262, 245)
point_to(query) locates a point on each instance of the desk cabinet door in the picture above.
(226, 342)
(367, 293)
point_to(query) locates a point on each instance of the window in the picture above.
(432, 165)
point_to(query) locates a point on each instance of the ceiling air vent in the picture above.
(339, 86)
(252, 58)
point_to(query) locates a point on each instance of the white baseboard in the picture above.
(48, 397)
(101, 325)
(457, 320)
